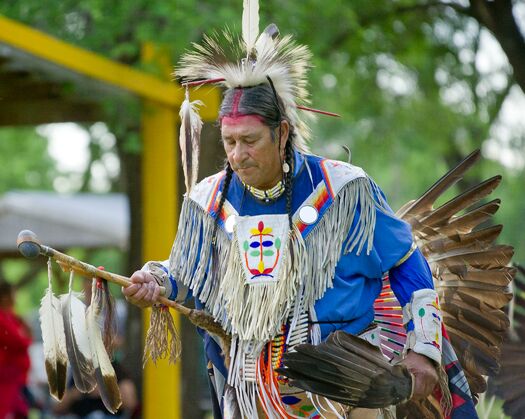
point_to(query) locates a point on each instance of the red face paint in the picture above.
(242, 120)
(235, 117)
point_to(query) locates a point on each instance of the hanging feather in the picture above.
(189, 140)
(250, 26)
(104, 372)
(54, 341)
(78, 347)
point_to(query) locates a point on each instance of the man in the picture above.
(283, 247)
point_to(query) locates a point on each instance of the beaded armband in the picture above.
(424, 312)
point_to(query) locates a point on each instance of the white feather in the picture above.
(250, 23)
(78, 347)
(191, 126)
(104, 372)
(54, 342)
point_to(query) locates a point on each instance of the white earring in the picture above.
(286, 167)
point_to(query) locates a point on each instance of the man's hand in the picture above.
(143, 291)
(424, 372)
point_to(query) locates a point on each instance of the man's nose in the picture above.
(239, 152)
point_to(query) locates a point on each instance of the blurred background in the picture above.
(88, 134)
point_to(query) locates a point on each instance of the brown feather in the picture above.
(425, 203)
(473, 240)
(441, 215)
(498, 277)
(492, 258)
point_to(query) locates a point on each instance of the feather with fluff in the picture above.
(104, 372)
(283, 60)
(54, 342)
(250, 24)
(78, 347)
(189, 140)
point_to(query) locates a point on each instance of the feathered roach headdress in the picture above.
(250, 60)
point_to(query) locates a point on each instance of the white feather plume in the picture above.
(104, 372)
(78, 347)
(250, 23)
(282, 59)
(54, 342)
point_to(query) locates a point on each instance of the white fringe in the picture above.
(254, 313)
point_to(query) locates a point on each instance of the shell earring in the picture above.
(286, 167)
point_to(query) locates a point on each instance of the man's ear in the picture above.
(285, 131)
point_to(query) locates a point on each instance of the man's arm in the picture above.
(413, 286)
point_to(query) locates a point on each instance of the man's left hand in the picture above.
(424, 372)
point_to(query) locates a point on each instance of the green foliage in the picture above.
(25, 161)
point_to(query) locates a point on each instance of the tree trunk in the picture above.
(498, 18)
(131, 176)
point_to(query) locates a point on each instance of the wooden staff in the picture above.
(30, 247)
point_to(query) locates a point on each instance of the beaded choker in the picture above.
(267, 195)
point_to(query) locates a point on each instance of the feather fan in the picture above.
(189, 141)
(78, 347)
(104, 372)
(54, 342)
(349, 370)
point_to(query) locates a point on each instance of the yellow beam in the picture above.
(87, 63)
(162, 392)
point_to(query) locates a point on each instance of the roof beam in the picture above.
(88, 63)
(46, 111)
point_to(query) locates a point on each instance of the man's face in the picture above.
(251, 152)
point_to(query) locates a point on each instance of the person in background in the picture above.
(15, 339)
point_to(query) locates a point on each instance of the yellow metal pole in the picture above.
(162, 392)
(161, 382)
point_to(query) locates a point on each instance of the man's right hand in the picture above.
(143, 291)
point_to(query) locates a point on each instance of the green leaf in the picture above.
(277, 243)
(255, 253)
(268, 252)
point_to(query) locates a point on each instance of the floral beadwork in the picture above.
(262, 251)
